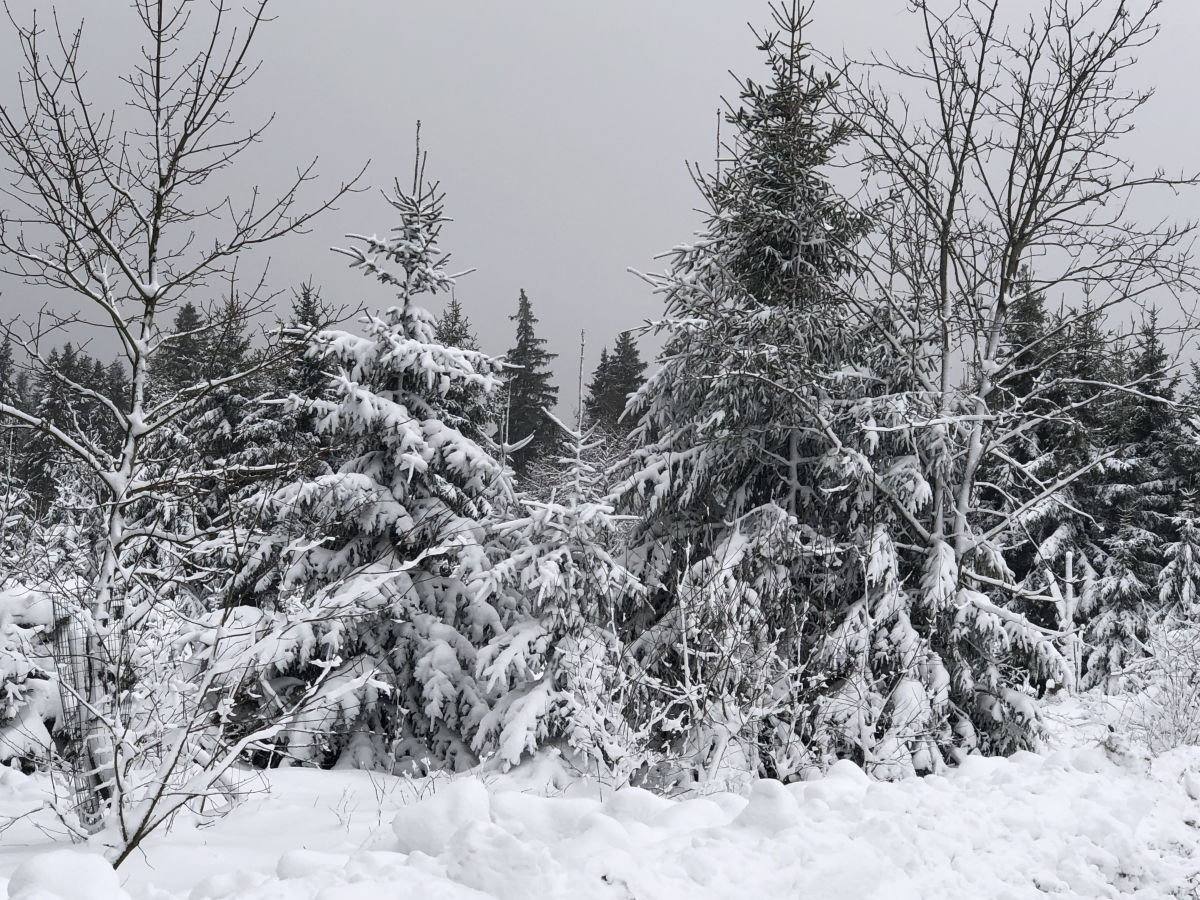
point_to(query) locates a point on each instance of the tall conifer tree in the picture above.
(753, 546)
(618, 375)
(1136, 503)
(183, 358)
(528, 392)
(8, 373)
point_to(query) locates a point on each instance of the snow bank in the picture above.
(1100, 820)
(429, 826)
(65, 875)
(1085, 823)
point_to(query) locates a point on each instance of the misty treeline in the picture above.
(918, 446)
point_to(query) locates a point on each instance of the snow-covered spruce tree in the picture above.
(191, 450)
(1179, 580)
(184, 360)
(1087, 556)
(1010, 151)
(375, 617)
(1137, 499)
(54, 400)
(775, 603)
(28, 695)
(236, 443)
(527, 392)
(18, 513)
(206, 348)
(560, 669)
(15, 502)
(1059, 366)
(1164, 666)
(454, 328)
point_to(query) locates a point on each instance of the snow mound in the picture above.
(26, 607)
(65, 875)
(430, 825)
(16, 787)
(1091, 822)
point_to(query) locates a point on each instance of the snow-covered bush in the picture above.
(1166, 686)
(560, 671)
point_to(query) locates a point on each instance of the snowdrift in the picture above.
(1090, 822)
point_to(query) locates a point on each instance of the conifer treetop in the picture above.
(529, 391)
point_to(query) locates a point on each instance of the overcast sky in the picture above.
(559, 130)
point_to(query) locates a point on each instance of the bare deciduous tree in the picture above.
(123, 212)
(1001, 155)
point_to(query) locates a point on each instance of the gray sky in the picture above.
(559, 130)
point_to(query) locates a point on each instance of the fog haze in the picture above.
(558, 130)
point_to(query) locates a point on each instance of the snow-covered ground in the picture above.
(1092, 819)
